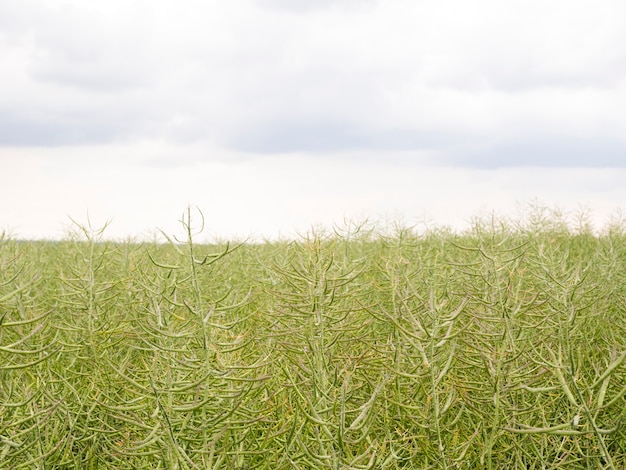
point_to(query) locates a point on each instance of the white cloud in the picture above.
(77, 72)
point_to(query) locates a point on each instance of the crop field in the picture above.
(500, 347)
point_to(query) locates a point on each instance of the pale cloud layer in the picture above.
(276, 114)
(480, 83)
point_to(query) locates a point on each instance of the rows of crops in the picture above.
(499, 348)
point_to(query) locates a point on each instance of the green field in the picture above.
(501, 347)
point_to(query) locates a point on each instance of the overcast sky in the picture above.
(275, 115)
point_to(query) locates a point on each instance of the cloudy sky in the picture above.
(273, 116)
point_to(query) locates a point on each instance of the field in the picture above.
(501, 347)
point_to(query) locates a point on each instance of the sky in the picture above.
(275, 116)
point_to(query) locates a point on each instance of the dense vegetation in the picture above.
(502, 347)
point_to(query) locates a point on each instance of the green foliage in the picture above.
(503, 347)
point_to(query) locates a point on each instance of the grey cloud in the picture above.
(329, 136)
(105, 65)
(18, 130)
(457, 149)
(515, 79)
(12, 20)
(542, 151)
(304, 6)
(523, 78)
(90, 77)
(76, 46)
